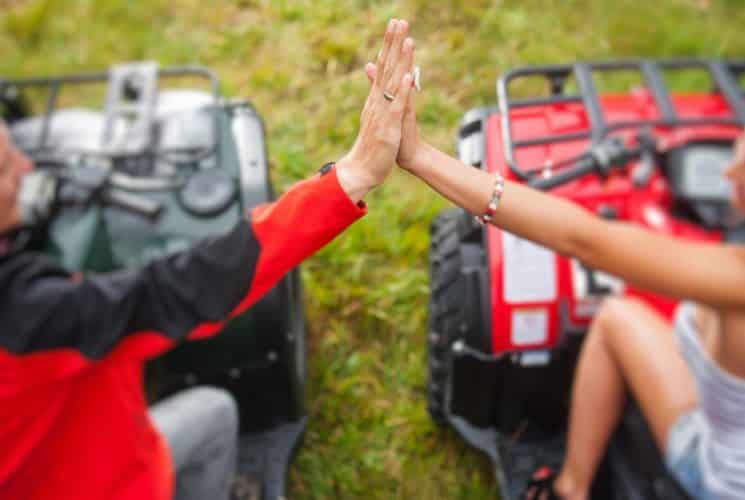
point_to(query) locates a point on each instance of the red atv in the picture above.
(507, 317)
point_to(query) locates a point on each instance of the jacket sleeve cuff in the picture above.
(303, 220)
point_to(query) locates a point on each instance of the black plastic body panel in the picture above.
(511, 414)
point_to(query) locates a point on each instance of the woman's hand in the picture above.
(374, 152)
(412, 149)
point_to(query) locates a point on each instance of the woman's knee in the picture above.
(611, 318)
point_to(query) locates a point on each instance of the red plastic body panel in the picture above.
(649, 206)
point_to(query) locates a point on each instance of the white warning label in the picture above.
(529, 271)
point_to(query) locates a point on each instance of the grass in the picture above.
(301, 63)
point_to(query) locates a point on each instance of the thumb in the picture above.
(409, 114)
(370, 71)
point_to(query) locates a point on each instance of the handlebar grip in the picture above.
(582, 167)
(133, 203)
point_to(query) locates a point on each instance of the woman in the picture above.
(693, 393)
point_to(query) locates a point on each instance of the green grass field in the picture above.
(301, 62)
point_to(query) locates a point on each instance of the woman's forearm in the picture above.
(526, 212)
(709, 273)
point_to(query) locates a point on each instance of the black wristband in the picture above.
(326, 168)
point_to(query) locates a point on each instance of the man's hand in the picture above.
(373, 155)
(412, 150)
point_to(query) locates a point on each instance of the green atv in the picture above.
(164, 161)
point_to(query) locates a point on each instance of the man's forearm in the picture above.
(302, 221)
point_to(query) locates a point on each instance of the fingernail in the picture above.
(396, 26)
(391, 25)
(408, 43)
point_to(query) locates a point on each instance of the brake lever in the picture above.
(643, 173)
(608, 154)
(647, 147)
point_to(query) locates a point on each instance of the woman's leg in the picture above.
(629, 347)
(200, 426)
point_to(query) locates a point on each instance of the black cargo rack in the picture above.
(724, 74)
(132, 91)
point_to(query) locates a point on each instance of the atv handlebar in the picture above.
(582, 167)
(602, 158)
(46, 190)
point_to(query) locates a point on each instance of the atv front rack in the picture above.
(132, 95)
(724, 75)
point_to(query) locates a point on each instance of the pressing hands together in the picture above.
(388, 129)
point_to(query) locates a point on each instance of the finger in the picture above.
(370, 70)
(412, 95)
(399, 103)
(387, 40)
(394, 54)
(404, 65)
(391, 78)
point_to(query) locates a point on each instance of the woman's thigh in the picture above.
(642, 344)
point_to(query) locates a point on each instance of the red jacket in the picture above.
(73, 419)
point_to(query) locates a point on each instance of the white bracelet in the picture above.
(496, 197)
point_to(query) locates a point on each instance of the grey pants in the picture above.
(200, 426)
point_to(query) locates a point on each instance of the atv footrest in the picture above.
(521, 460)
(263, 460)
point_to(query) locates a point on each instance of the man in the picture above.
(73, 418)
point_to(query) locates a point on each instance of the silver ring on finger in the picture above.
(388, 96)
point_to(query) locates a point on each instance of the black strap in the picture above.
(326, 168)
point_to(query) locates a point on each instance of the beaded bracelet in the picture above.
(496, 197)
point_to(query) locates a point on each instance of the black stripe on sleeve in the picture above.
(42, 307)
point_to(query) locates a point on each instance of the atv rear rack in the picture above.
(724, 74)
(131, 92)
